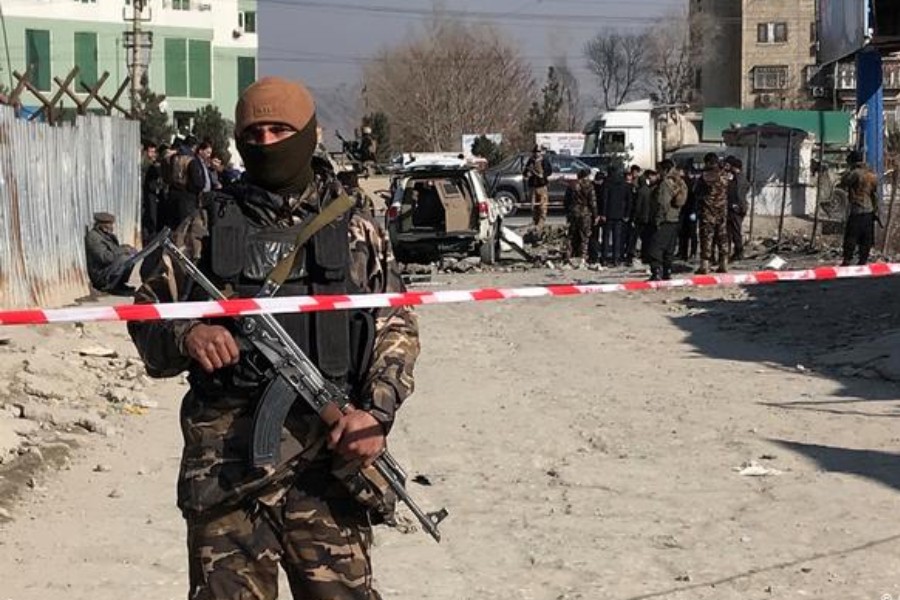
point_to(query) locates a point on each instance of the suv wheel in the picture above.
(506, 203)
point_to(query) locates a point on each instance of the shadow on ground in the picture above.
(843, 330)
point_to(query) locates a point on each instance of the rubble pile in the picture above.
(45, 393)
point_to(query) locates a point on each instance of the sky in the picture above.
(325, 42)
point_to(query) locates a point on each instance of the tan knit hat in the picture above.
(274, 100)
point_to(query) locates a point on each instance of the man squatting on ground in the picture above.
(243, 522)
(109, 263)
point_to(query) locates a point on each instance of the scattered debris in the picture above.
(422, 480)
(754, 469)
(98, 351)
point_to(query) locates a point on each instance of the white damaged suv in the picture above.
(442, 207)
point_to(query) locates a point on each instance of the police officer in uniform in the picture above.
(244, 522)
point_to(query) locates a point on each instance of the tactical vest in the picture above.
(240, 254)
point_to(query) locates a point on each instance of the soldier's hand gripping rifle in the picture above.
(298, 376)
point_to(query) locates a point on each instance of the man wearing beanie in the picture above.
(861, 185)
(243, 522)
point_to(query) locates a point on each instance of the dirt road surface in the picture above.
(682, 445)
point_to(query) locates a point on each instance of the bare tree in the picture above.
(455, 78)
(673, 57)
(621, 63)
(571, 115)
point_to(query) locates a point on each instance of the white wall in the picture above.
(222, 16)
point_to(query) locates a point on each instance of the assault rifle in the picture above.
(296, 375)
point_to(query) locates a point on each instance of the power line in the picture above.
(509, 17)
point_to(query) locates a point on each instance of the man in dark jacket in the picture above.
(109, 263)
(861, 185)
(643, 214)
(615, 208)
(738, 188)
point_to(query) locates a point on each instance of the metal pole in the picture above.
(9, 68)
(755, 180)
(784, 187)
(812, 239)
(895, 178)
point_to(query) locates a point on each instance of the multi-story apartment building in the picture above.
(203, 51)
(762, 54)
(758, 53)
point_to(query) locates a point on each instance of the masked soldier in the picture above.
(712, 201)
(244, 521)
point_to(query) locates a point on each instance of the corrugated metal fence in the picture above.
(52, 180)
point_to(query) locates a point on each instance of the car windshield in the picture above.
(570, 164)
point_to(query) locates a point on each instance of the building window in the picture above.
(246, 70)
(181, 4)
(88, 1)
(772, 33)
(37, 57)
(188, 68)
(770, 78)
(175, 51)
(200, 68)
(86, 57)
(813, 33)
(247, 21)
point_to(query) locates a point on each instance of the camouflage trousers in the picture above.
(540, 203)
(317, 533)
(579, 235)
(713, 233)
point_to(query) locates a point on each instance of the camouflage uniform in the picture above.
(581, 208)
(712, 196)
(536, 174)
(243, 522)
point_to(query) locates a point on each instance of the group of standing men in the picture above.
(658, 210)
(173, 177)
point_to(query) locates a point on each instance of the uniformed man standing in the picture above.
(581, 213)
(537, 174)
(670, 195)
(368, 149)
(712, 202)
(861, 185)
(243, 521)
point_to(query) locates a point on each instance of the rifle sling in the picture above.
(329, 214)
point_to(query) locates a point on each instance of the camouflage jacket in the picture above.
(669, 196)
(215, 469)
(581, 200)
(861, 185)
(712, 195)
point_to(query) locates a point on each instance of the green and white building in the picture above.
(203, 51)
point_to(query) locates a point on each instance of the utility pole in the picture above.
(139, 43)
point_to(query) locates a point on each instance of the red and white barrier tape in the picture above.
(295, 304)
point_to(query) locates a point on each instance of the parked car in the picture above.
(442, 207)
(506, 181)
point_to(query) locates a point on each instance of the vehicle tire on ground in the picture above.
(506, 202)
